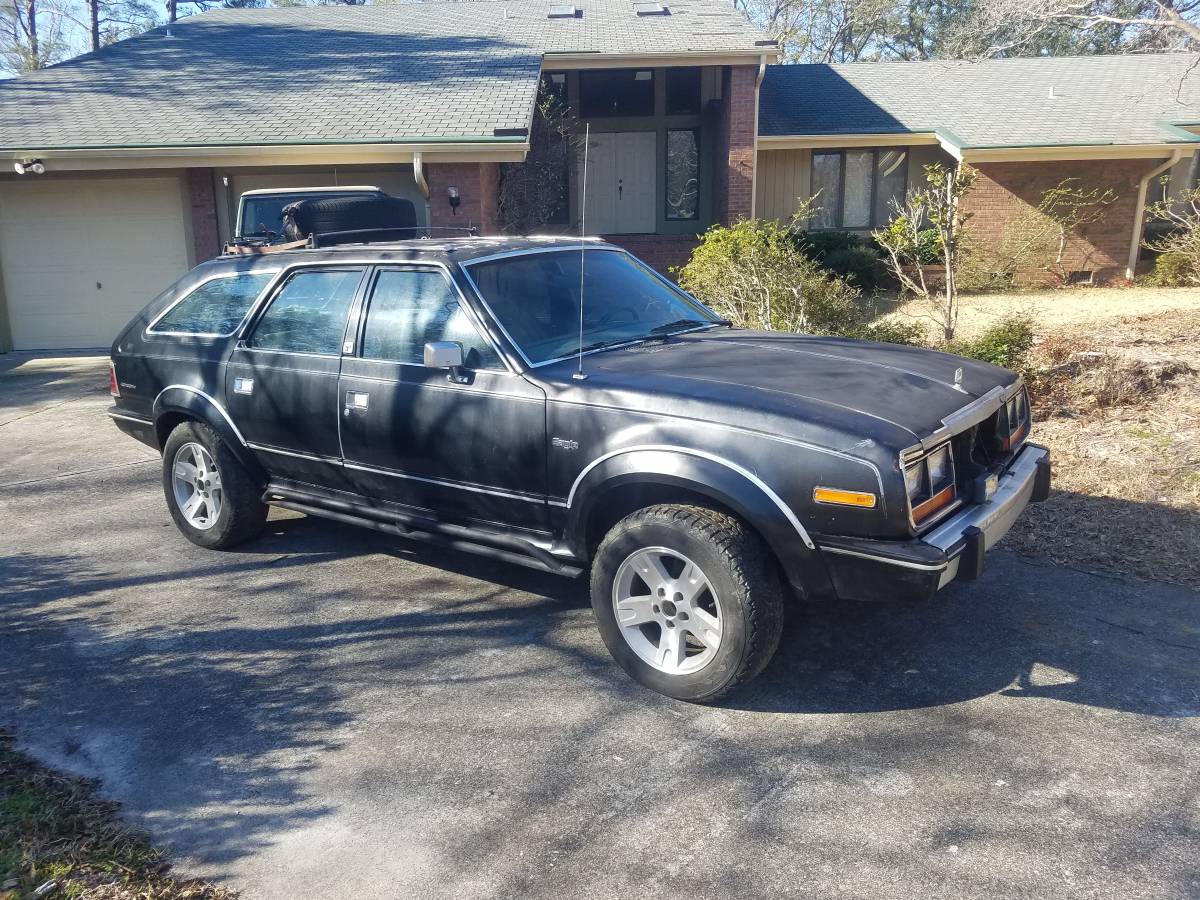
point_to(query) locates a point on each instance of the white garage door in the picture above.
(82, 256)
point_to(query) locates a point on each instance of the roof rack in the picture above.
(355, 236)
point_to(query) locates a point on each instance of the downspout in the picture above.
(1135, 245)
(762, 73)
(419, 177)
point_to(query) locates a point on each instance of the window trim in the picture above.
(666, 176)
(420, 266)
(272, 274)
(840, 153)
(248, 329)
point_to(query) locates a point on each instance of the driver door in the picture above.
(471, 451)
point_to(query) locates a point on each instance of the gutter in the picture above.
(1135, 244)
(762, 73)
(438, 141)
(419, 178)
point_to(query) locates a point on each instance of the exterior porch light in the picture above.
(23, 167)
(453, 197)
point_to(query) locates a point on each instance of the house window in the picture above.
(855, 188)
(683, 174)
(683, 91)
(616, 92)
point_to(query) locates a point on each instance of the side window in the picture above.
(308, 314)
(410, 308)
(216, 307)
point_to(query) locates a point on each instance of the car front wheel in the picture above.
(687, 600)
(212, 498)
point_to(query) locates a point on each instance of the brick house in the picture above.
(146, 145)
(859, 135)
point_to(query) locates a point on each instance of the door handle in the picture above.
(243, 385)
(356, 400)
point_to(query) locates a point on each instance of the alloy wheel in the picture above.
(197, 486)
(667, 610)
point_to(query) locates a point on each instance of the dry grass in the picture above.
(1118, 403)
(1074, 308)
(59, 839)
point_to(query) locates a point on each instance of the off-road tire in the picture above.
(741, 571)
(243, 514)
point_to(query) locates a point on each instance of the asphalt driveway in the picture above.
(336, 713)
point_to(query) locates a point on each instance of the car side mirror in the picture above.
(446, 355)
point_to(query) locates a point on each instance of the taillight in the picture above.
(113, 388)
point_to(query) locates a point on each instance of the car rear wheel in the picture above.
(213, 500)
(687, 599)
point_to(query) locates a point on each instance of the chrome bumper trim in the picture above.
(890, 561)
(128, 418)
(997, 516)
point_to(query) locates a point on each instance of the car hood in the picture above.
(889, 393)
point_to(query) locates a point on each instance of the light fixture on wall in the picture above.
(22, 167)
(454, 199)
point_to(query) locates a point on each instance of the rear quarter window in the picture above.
(215, 307)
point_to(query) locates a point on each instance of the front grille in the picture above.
(990, 445)
(985, 448)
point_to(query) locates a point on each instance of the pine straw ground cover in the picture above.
(59, 839)
(1117, 401)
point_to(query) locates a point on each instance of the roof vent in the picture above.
(564, 11)
(650, 8)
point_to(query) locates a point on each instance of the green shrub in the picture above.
(817, 245)
(1007, 343)
(886, 332)
(1172, 269)
(859, 265)
(929, 247)
(755, 274)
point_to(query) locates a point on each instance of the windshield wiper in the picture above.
(669, 328)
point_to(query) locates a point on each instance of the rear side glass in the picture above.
(308, 314)
(411, 308)
(215, 308)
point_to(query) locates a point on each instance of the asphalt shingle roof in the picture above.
(994, 103)
(388, 73)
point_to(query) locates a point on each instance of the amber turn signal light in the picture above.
(837, 496)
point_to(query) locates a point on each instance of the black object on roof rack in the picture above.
(332, 215)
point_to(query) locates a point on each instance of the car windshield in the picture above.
(535, 297)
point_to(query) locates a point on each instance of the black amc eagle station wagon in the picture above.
(451, 391)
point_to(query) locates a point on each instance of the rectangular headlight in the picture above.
(914, 480)
(940, 472)
(930, 483)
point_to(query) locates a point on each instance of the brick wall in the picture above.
(202, 207)
(734, 169)
(1003, 192)
(662, 252)
(478, 189)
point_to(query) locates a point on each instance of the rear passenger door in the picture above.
(282, 379)
(473, 451)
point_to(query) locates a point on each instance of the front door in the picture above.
(282, 381)
(620, 183)
(471, 451)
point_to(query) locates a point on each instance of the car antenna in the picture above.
(579, 376)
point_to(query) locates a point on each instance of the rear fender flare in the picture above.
(196, 404)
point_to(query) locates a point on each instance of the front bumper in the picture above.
(864, 569)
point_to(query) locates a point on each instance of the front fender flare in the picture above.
(196, 404)
(712, 476)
